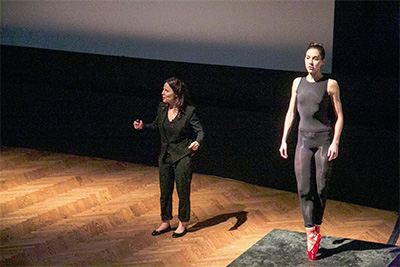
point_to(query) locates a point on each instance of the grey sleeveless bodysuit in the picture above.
(313, 104)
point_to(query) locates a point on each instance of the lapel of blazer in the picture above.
(179, 122)
(163, 117)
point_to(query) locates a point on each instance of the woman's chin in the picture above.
(167, 102)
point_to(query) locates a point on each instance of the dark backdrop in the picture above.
(85, 104)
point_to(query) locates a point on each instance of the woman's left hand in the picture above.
(194, 146)
(333, 152)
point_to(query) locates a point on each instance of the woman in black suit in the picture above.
(181, 134)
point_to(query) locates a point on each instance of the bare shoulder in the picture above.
(332, 82)
(333, 86)
(296, 83)
(297, 80)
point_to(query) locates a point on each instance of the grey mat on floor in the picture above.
(286, 248)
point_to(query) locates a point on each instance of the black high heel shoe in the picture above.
(155, 232)
(176, 235)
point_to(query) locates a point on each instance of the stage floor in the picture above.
(60, 209)
(285, 248)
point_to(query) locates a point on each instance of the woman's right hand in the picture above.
(138, 125)
(283, 150)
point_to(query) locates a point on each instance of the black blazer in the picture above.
(187, 129)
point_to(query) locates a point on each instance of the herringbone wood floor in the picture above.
(59, 209)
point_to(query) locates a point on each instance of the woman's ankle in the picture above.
(318, 228)
(163, 225)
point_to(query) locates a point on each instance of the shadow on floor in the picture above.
(240, 216)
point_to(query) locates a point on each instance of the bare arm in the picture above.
(289, 118)
(334, 92)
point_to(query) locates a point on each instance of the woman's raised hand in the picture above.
(138, 124)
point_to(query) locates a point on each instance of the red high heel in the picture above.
(314, 238)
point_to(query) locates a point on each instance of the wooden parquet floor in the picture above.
(59, 209)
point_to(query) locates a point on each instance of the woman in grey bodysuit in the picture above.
(318, 138)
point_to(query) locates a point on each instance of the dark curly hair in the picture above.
(181, 93)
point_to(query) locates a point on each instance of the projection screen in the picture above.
(258, 34)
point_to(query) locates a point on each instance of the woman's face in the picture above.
(313, 60)
(168, 95)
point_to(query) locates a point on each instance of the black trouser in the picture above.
(312, 189)
(181, 173)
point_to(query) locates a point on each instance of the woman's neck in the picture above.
(314, 77)
(172, 107)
